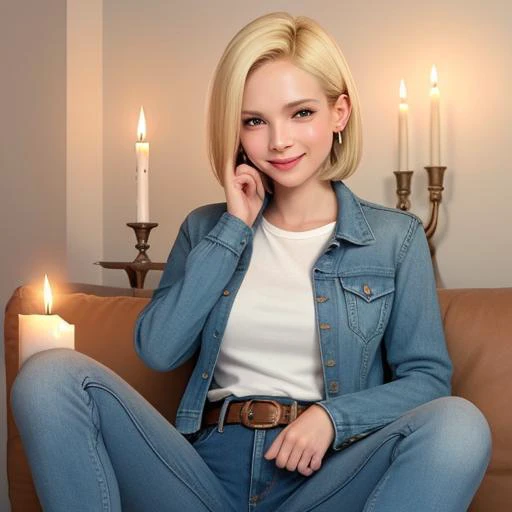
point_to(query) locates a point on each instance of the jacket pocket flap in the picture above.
(369, 287)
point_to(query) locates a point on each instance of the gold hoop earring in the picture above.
(339, 138)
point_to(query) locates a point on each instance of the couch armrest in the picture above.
(104, 319)
(478, 328)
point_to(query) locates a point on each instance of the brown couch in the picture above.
(478, 325)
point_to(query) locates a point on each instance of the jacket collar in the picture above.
(351, 222)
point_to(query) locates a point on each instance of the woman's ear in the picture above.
(341, 112)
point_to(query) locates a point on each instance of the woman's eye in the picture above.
(253, 121)
(256, 121)
(305, 111)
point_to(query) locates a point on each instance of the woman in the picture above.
(322, 380)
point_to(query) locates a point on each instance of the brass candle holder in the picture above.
(142, 230)
(141, 265)
(435, 188)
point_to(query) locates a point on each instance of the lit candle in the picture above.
(142, 152)
(403, 150)
(42, 332)
(435, 144)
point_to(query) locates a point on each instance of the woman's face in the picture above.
(285, 115)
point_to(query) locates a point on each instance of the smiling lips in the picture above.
(286, 163)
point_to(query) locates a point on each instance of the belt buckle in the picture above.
(246, 415)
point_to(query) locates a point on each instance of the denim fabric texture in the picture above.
(94, 443)
(381, 337)
(401, 443)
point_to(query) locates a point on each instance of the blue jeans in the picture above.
(93, 443)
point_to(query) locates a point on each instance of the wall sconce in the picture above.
(435, 188)
(435, 170)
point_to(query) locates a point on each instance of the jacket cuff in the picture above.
(231, 232)
(336, 440)
(342, 435)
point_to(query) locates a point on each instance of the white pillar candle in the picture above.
(403, 142)
(435, 144)
(142, 153)
(42, 332)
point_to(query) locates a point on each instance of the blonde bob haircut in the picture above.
(267, 38)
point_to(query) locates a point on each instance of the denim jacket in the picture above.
(378, 320)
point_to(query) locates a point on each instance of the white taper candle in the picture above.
(142, 173)
(403, 139)
(435, 143)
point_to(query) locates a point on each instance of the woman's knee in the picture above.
(43, 375)
(462, 430)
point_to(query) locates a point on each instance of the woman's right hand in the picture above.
(244, 192)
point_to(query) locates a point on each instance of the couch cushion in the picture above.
(478, 327)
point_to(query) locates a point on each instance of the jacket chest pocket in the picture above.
(369, 299)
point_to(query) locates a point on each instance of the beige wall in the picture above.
(84, 127)
(32, 156)
(162, 56)
(67, 155)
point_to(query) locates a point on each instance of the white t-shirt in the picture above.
(270, 345)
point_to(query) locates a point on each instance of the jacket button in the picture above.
(367, 290)
(322, 298)
(330, 362)
(225, 293)
(333, 387)
(325, 326)
(204, 375)
(243, 242)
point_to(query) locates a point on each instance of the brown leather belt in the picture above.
(255, 413)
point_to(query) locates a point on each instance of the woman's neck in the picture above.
(302, 208)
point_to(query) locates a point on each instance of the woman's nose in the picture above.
(280, 138)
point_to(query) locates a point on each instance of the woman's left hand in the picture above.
(302, 444)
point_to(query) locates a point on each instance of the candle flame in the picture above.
(403, 90)
(433, 76)
(48, 299)
(141, 127)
